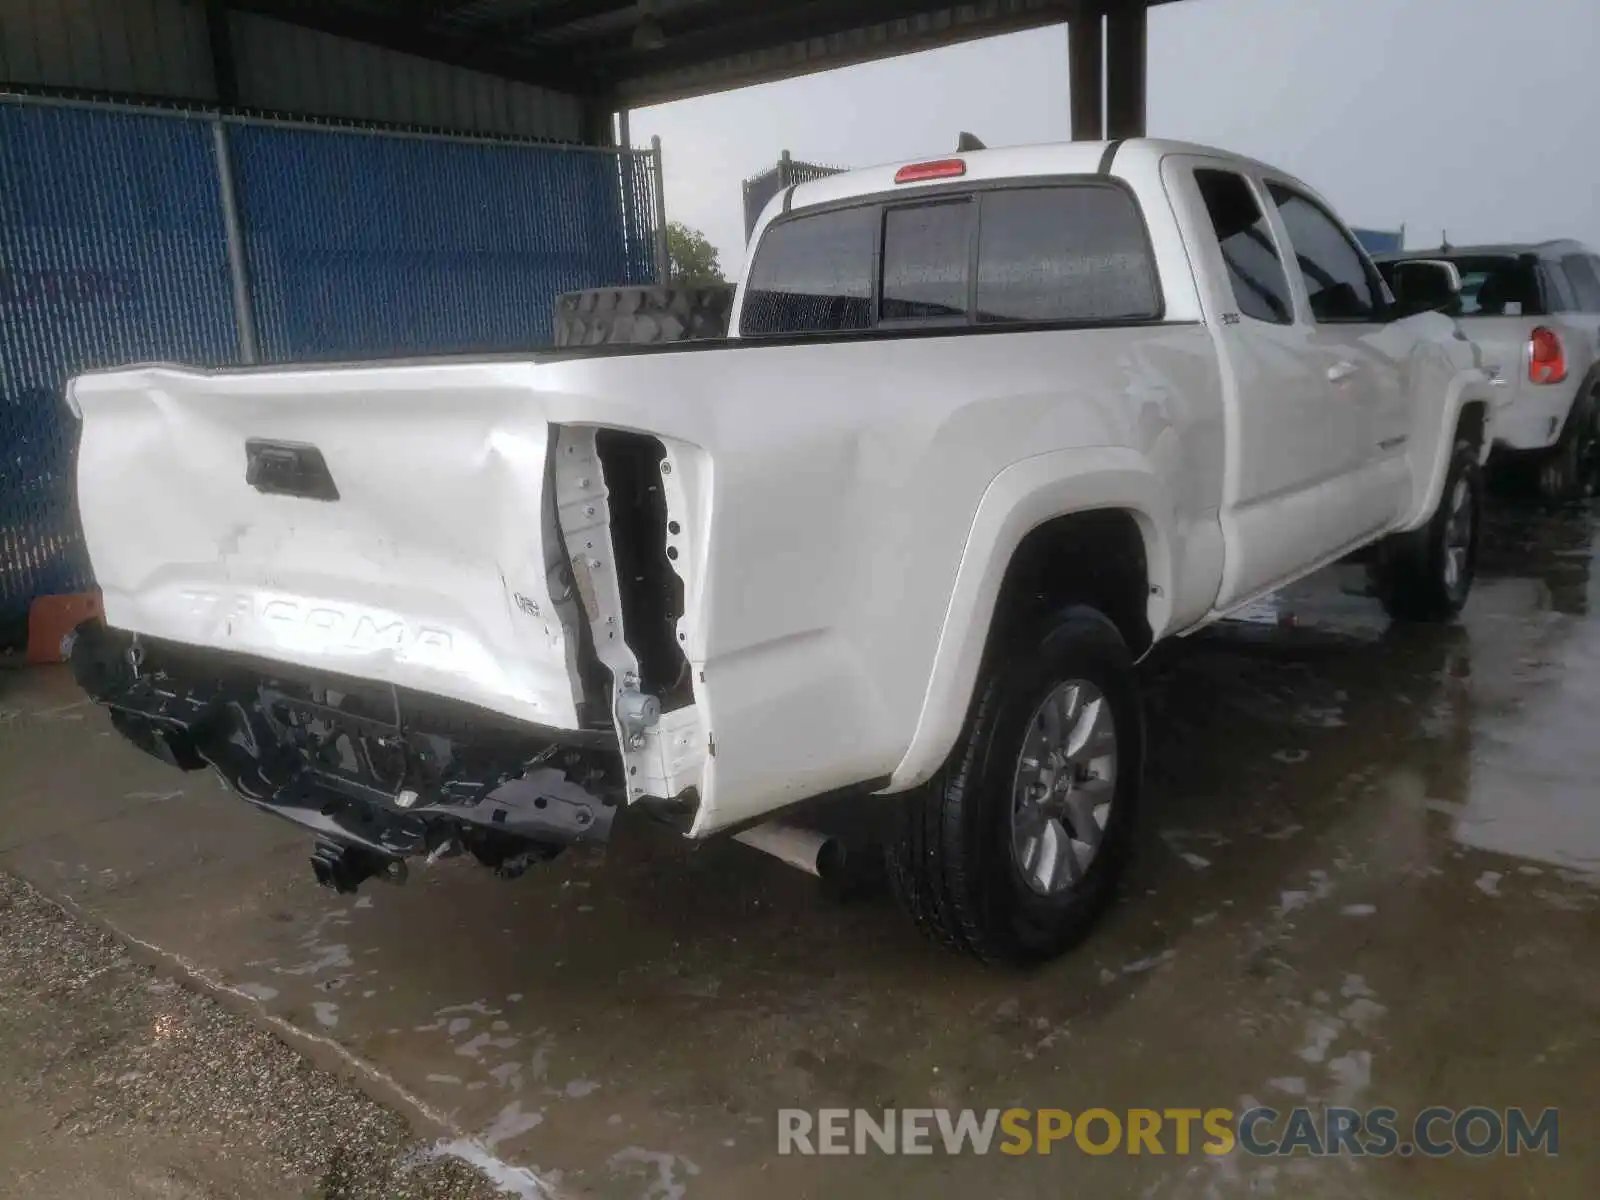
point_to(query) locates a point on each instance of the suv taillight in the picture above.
(1547, 359)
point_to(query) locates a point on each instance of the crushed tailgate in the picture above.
(387, 524)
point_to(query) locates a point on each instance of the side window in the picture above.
(1501, 286)
(1585, 283)
(1337, 281)
(1471, 288)
(1557, 288)
(812, 274)
(1260, 288)
(1067, 253)
(926, 250)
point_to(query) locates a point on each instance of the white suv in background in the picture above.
(1535, 312)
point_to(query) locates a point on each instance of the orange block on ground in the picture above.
(51, 618)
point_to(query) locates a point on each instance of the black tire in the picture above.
(949, 858)
(1412, 575)
(1570, 470)
(643, 316)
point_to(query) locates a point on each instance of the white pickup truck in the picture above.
(988, 428)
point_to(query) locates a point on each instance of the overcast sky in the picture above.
(1481, 117)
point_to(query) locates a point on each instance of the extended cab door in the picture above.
(1363, 355)
(1291, 450)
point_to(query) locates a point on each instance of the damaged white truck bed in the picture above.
(988, 427)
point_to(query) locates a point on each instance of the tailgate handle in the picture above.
(288, 469)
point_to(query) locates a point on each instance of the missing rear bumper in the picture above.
(377, 774)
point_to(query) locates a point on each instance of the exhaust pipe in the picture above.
(812, 852)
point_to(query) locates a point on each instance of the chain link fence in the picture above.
(130, 235)
(420, 244)
(759, 189)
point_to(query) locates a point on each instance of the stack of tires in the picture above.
(643, 316)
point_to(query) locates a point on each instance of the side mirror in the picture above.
(1425, 285)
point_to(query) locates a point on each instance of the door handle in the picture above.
(1340, 371)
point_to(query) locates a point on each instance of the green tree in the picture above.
(691, 258)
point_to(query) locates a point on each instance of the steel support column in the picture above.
(1085, 74)
(244, 318)
(219, 39)
(598, 117)
(663, 257)
(1125, 70)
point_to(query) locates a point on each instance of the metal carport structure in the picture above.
(619, 54)
(107, 200)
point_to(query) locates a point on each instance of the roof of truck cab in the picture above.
(1011, 162)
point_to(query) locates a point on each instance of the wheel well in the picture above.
(1469, 424)
(1095, 558)
(1590, 387)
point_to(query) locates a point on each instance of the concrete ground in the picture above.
(118, 1084)
(1370, 876)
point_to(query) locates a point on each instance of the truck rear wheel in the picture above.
(1014, 848)
(1425, 575)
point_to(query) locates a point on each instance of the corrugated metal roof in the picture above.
(649, 50)
(288, 68)
(152, 47)
(934, 26)
(161, 48)
(359, 57)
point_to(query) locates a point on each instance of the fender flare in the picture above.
(1018, 500)
(1468, 387)
(1588, 386)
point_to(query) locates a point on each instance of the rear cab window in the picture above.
(926, 254)
(813, 275)
(1064, 254)
(1007, 254)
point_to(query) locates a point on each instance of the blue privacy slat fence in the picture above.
(1380, 241)
(111, 251)
(360, 245)
(355, 244)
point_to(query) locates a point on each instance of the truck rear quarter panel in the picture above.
(846, 483)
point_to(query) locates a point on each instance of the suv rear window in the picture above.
(1071, 253)
(1580, 272)
(1497, 285)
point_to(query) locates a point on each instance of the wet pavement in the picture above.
(1370, 875)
